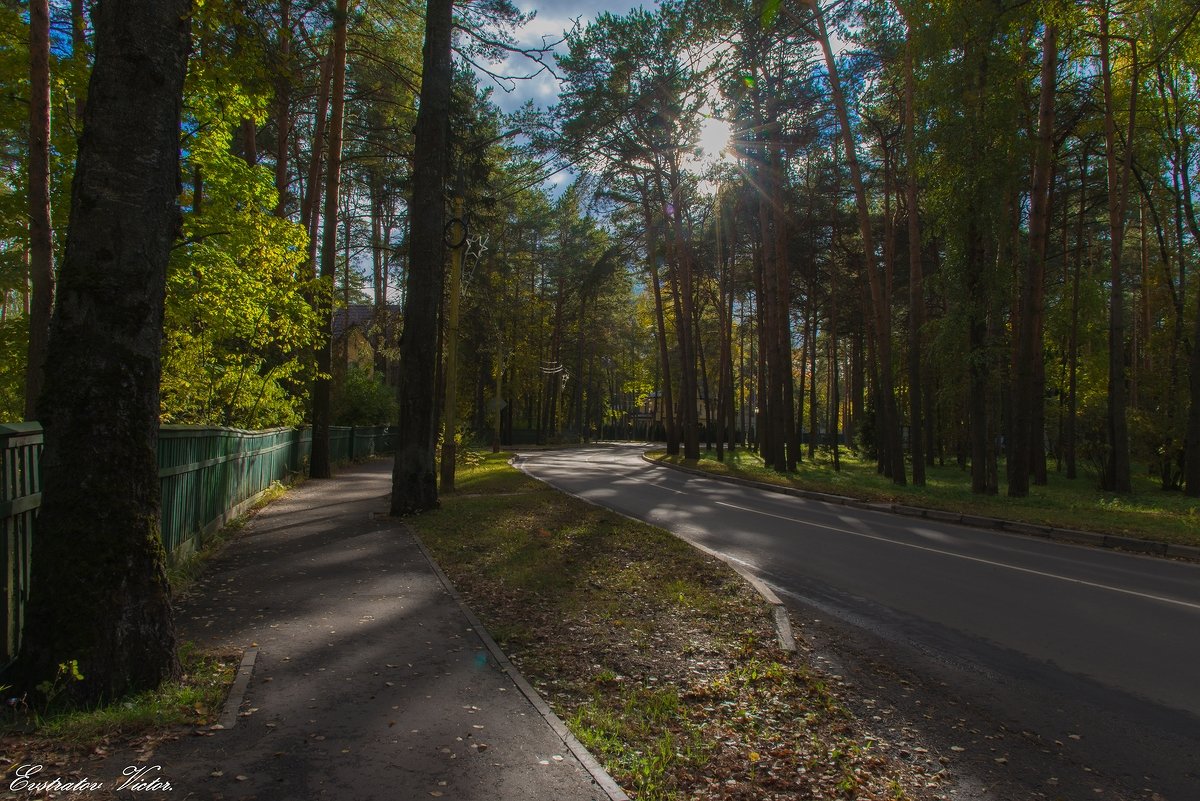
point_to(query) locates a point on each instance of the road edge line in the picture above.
(1111, 542)
(779, 613)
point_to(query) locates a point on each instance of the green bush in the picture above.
(362, 399)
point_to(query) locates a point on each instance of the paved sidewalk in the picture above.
(370, 682)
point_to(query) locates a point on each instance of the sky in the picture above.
(553, 18)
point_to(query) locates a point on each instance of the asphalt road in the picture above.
(1093, 651)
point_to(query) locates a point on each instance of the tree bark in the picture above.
(41, 248)
(1029, 336)
(664, 354)
(1191, 440)
(312, 191)
(889, 431)
(688, 384)
(414, 481)
(1116, 468)
(916, 291)
(1081, 246)
(99, 592)
(283, 107)
(979, 361)
(319, 464)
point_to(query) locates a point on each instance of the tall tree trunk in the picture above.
(782, 298)
(664, 354)
(834, 399)
(980, 367)
(322, 391)
(41, 248)
(684, 298)
(916, 292)
(414, 482)
(724, 337)
(1116, 468)
(99, 592)
(728, 410)
(806, 333)
(813, 410)
(283, 107)
(312, 194)
(886, 397)
(1029, 341)
(1191, 442)
(249, 134)
(1081, 247)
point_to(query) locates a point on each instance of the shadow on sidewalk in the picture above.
(370, 681)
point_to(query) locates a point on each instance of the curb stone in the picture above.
(237, 693)
(597, 771)
(783, 624)
(1110, 541)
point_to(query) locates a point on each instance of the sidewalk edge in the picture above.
(593, 767)
(237, 693)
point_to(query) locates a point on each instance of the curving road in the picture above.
(1092, 651)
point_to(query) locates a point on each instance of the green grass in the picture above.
(1147, 513)
(661, 659)
(196, 698)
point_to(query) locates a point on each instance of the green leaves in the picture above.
(239, 327)
(770, 13)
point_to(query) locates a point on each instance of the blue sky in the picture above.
(553, 17)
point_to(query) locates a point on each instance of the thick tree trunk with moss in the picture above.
(99, 592)
(414, 481)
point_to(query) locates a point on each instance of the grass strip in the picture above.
(1147, 513)
(70, 739)
(661, 659)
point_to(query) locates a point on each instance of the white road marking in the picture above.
(651, 483)
(1031, 571)
(943, 552)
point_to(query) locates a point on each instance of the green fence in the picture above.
(206, 476)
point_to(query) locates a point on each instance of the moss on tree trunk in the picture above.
(99, 593)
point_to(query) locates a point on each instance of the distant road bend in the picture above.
(1092, 648)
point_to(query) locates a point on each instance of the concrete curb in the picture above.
(237, 693)
(1113, 541)
(597, 771)
(783, 624)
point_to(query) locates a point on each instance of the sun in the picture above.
(716, 136)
